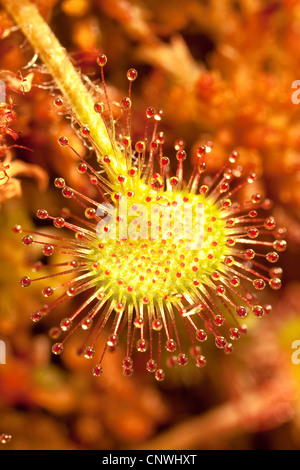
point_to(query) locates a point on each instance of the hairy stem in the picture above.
(58, 64)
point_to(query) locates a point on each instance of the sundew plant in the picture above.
(165, 256)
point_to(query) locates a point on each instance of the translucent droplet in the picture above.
(256, 198)
(65, 324)
(126, 140)
(27, 240)
(269, 223)
(272, 257)
(37, 266)
(127, 362)
(79, 235)
(99, 107)
(47, 291)
(221, 290)
(200, 361)
(90, 212)
(259, 284)
(70, 291)
(226, 203)
(275, 283)
(157, 325)
(36, 316)
(233, 157)
(223, 188)
(230, 241)
(17, 228)
(58, 102)
(195, 350)
(253, 233)
(267, 309)
(173, 181)
(106, 159)
(132, 74)
(142, 345)
(57, 348)
(102, 60)
(235, 281)
(234, 333)
(126, 103)
(127, 371)
(67, 192)
(219, 320)
(203, 189)
(280, 232)
(165, 161)
(252, 213)
(241, 311)
(201, 151)
(132, 171)
(48, 250)
(252, 177)
(25, 281)
(89, 352)
(201, 335)
(280, 245)
(243, 329)
(158, 117)
(59, 183)
(138, 322)
(228, 348)
(55, 332)
(121, 178)
(112, 340)
(63, 141)
(150, 112)
(86, 323)
(182, 359)
(276, 272)
(171, 345)
(229, 260)
(151, 365)
(97, 370)
(220, 342)
(42, 214)
(59, 222)
(140, 146)
(258, 310)
(5, 438)
(160, 375)
(181, 155)
(85, 131)
(119, 307)
(230, 222)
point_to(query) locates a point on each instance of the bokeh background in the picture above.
(221, 71)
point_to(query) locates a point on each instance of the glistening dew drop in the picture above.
(161, 257)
